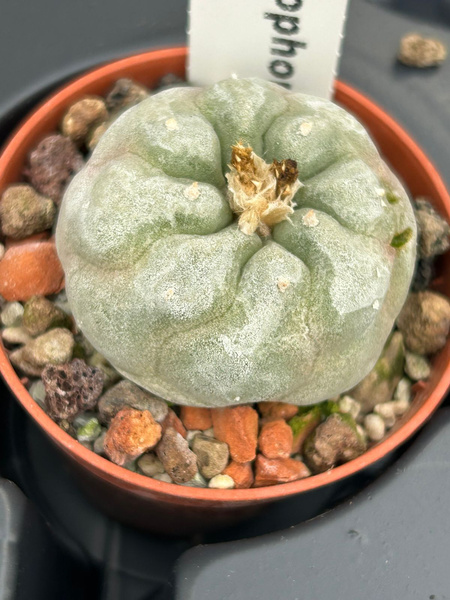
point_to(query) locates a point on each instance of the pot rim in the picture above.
(128, 479)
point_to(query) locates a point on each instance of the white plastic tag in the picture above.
(294, 43)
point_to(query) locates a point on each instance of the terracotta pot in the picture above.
(163, 507)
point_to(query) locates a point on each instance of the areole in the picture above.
(156, 505)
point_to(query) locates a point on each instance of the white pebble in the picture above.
(375, 427)
(417, 366)
(403, 390)
(401, 406)
(209, 432)
(350, 406)
(15, 335)
(163, 477)
(385, 410)
(12, 314)
(362, 432)
(221, 482)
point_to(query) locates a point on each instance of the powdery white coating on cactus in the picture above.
(164, 284)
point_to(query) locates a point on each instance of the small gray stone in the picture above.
(37, 392)
(90, 431)
(52, 348)
(379, 385)
(333, 442)
(40, 315)
(178, 460)
(99, 444)
(12, 314)
(126, 393)
(190, 435)
(150, 465)
(424, 322)
(15, 336)
(417, 366)
(212, 455)
(433, 230)
(24, 212)
(197, 481)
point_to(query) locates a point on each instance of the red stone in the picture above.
(279, 470)
(241, 474)
(275, 439)
(30, 269)
(238, 427)
(196, 418)
(173, 421)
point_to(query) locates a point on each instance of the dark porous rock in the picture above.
(24, 212)
(425, 322)
(434, 231)
(178, 460)
(126, 393)
(212, 455)
(379, 385)
(52, 164)
(71, 388)
(40, 315)
(125, 93)
(334, 442)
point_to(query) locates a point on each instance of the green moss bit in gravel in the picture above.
(90, 431)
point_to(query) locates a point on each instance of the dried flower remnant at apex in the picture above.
(261, 194)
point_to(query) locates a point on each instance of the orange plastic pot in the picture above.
(163, 507)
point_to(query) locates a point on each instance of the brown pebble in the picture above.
(418, 51)
(125, 93)
(333, 442)
(30, 269)
(177, 458)
(196, 418)
(433, 230)
(241, 474)
(24, 212)
(212, 455)
(424, 322)
(52, 164)
(275, 439)
(96, 134)
(127, 393)
(173, 421)
(82, 116)
(130, 434)
(71, 388)
(277, 410)
(238, 427)
(279, 470)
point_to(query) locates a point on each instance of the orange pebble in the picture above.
(275, 439)
(278, 470)
(241, 474)
(196, 418)
(238, 427)
(173, 421)
(277, 410)
(30, 269)
(131, 433)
